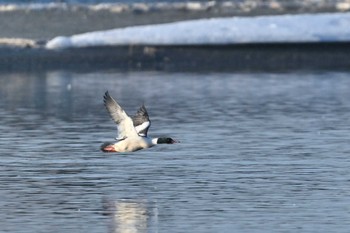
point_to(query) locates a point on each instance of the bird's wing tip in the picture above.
(106, 97)
(106, 94)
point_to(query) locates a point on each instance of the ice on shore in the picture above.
(319, 27)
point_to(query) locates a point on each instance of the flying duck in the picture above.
(132, 132)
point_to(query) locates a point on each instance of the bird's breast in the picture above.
(132, 144)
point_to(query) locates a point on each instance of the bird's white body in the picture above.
(131, 144)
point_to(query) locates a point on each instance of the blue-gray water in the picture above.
(258, 153)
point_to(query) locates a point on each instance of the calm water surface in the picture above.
(258, 153)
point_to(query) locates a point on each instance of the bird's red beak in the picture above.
(174, 141)
(109, 148)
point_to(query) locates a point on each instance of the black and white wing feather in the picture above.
(124, 122)
(141, 121)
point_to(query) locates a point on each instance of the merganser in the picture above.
(132, 132)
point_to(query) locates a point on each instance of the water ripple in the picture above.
(258, 152)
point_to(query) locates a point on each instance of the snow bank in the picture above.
(283, 28)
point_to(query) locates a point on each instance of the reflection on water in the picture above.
(38, 91)
(258, 153)
(131, 216)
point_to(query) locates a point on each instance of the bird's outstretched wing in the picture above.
(141, 121)
(124, 122)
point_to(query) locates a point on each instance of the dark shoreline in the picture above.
(272, 57)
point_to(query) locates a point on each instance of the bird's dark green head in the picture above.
(166, 141)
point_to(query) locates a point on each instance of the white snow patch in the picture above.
(232, 30)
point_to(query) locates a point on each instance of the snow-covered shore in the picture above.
(322, 27)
